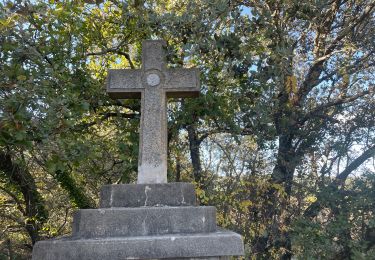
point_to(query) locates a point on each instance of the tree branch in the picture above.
(314, 209)
(104, 117)
(116, 51)
(316, 111)
(348, 29)
(14, 197)
(370, 152)
(312, 77)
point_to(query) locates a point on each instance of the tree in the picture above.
(334, 83)
(290, 81)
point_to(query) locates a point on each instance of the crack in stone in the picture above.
(183, 197)
(111, 197)
(144, 227)
(147, 188)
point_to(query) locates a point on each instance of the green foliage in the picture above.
(345, 226)
(285, 117)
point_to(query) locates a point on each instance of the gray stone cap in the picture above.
(220, 243)
(145, 221)
(147, 195)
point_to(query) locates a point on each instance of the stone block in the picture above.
(113, 222)
(204, 245)
(144, 195)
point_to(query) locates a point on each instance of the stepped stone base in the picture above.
(147, 195)
(206, 245)
(145, 221)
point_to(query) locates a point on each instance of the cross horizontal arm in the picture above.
(180, 82)
(123, 83)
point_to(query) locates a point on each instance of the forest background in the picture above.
(281, 139)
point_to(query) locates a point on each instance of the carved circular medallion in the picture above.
(153, 79)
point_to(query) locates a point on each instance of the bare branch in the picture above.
(313, 75)
(340, 179)
(317, 111)
(113, 50)
(354, 22)
(104, 117)
(314, 209)
(14, 197)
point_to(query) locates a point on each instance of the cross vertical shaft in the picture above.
(152, 162)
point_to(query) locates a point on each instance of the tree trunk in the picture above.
(23, 181)
(194, 144)
(76, 194)
(178, 169)
(10, 251)
(285, 164)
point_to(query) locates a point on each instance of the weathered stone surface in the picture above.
(114, 222)
(153, 83)
(129, 81)
(153, 55)
(220, 243)
(182, 83)
(140, 195)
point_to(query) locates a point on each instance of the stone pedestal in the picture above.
(144, 221)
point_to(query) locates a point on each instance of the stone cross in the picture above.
(153, 83)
